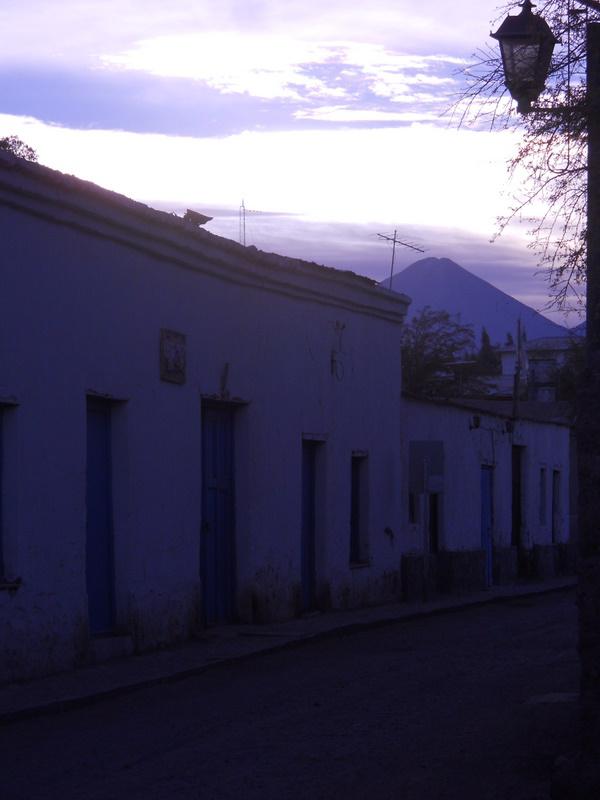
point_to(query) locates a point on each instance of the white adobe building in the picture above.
(540, 361)
(486, 493)
(191, 431)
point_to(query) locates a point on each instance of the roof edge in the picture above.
(102, 207)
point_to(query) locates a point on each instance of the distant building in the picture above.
(541, 361)
(488, 496)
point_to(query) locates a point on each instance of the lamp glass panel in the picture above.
(521, 63)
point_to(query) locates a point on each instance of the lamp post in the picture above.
(526, 44)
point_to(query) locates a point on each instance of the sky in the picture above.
(329, 122)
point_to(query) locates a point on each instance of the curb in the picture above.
(80, 700)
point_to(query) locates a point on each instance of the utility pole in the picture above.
(518, 370)
(579, 777)
(588, 431)
(396, 241)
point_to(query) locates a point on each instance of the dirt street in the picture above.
(468, 705)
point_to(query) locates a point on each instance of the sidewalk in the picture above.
(227, 644)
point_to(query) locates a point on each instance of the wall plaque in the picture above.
(172, 356)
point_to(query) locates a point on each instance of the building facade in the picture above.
(191, 431)
(487, 492)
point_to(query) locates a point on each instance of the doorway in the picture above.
(217, 545)
(310, 457)
(434, 518)
(487, 519)
(99, 518)
(517, 495)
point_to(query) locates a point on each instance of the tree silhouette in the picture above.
(488, 358)
(18, 148)
(553, 151)
(438, 355)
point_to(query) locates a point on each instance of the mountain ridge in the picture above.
(443, 284)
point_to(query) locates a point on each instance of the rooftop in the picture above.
(34, 188)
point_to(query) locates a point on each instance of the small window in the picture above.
(435, 521)
(543, 496)
(413, 508)
(359, 553)
(556, 506)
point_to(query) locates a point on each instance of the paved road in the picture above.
(474, 704)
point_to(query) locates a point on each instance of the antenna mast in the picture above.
(242, 224)
(394, 239)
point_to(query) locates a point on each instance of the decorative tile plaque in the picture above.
(172, 356)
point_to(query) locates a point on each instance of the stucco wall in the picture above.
(472, 439)
(81, 309)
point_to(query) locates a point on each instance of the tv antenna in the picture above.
(242, 224)
(242, 221)
(394, 239)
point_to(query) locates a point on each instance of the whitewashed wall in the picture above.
(87, 281)
(471, 439)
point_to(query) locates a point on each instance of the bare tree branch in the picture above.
(553, 150)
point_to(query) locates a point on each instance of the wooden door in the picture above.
(217, 552)
(99, 520)
(308, 540)
(487, 487)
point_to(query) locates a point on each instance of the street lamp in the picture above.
(526, 45)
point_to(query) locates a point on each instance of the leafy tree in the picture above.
(569, 375)
(552, 154)
(18, 148)
(488, 358)
(438, 355)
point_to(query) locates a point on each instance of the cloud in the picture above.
(204, 90)
(135, 102)
(327, 82)
(142, 103)
(416, 174)
(273, 66)
(202, 68)
(78, 32)
(364, 115)
(232, 62)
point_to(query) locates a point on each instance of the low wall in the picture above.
(418, 576)
(566, 558)
(425, 576)
(505, 566)
(543, 560)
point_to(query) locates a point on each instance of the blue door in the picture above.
(217, 554)
(1, 514)
(99, 529)
(308, 567)
(487, 489)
